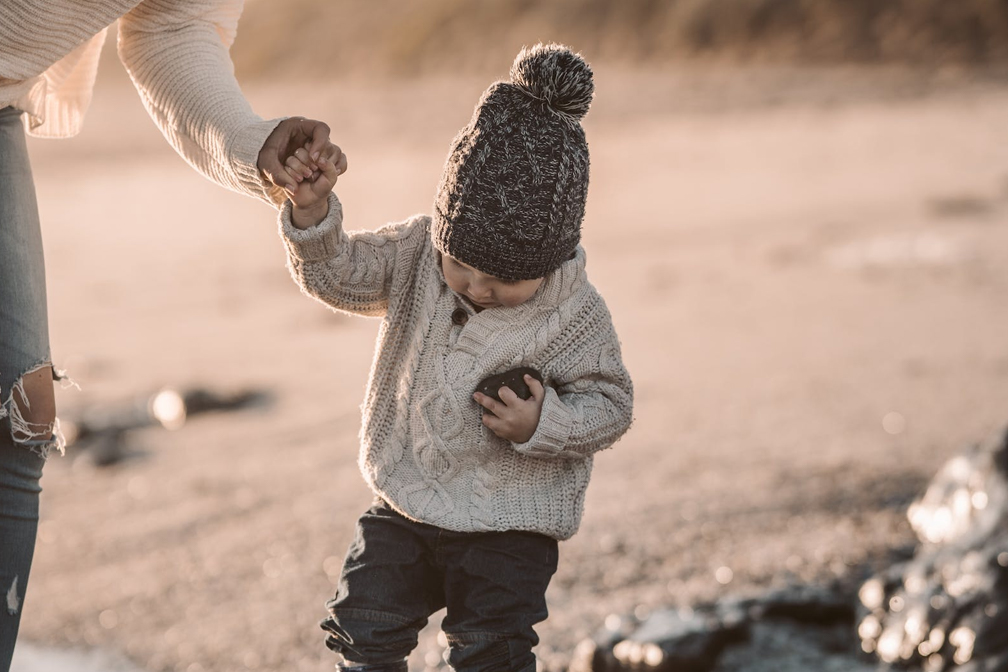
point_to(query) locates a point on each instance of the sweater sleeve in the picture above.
(590, 404)
(176, 52)
(354, 272)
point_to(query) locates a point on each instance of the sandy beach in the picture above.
(806, 268)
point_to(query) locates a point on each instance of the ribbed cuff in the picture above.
(551, 435)
(243, 153)
(317, 243)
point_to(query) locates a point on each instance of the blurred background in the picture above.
(798, 216)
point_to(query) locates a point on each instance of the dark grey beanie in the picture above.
(512, 195)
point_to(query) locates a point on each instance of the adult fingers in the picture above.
(318, 131)
(276, 148)
(297, 168)
(341, 165)
(276, 172)
(328, 174)
(334, 155)
(301, 154)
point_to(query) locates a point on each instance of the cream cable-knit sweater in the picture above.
(176, 52)
(424, 448)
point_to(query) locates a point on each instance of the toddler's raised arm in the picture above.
(353, 272)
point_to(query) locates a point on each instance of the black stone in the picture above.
(514, 378)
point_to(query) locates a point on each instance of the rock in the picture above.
(808, 605)
(967, 500)
(595, 654)
(997, 663)
(669, 640)
(104, 430)
(947, 607)
(943, 608)
(693, 639)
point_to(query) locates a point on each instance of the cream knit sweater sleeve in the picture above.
(354, 272)
(589, 404)
(176, 52)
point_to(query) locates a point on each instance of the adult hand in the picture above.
(286, 138)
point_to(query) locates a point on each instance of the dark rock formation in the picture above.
(943, 608)
(692, 640)
(947, 607)
(669, 640)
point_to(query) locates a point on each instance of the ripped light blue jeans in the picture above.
(24, 353)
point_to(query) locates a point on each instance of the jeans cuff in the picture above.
(398, 666)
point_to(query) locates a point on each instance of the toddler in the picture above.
(472, 491)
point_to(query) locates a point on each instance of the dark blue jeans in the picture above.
(398, 572)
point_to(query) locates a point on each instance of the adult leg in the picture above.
(387, 590)
(495, 589)
(27, 406)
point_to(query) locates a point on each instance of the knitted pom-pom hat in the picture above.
(512, 195)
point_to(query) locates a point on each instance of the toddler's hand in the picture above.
(285, 138)
(513, 418)
(310, 197)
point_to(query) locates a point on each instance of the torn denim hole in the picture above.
(63, 378)
(40, 438)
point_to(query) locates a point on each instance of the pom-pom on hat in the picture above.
(512, 194)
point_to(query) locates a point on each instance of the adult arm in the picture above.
(176, 52)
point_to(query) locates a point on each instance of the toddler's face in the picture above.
(486, 291)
